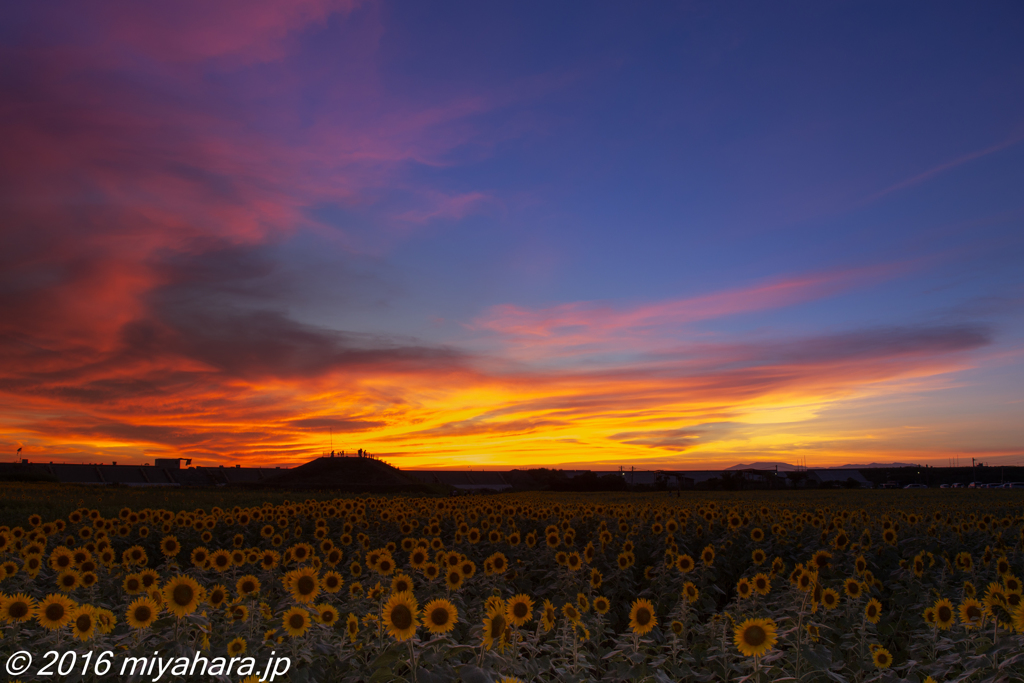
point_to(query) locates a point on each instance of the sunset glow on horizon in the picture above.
(661, 236)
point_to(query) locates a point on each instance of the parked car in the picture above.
(916, 486)
(975, 485)
(958, 485)
(943, 486)
(1014, 485)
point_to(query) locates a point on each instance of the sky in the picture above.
(463, 235)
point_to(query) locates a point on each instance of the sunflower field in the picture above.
(846, 586)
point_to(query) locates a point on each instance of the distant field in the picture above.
(809, 585)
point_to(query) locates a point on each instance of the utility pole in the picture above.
(974, 477)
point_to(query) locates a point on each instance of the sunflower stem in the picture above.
(412, 658)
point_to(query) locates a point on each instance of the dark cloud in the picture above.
(339, 425)
(885, 342)
(477, 426)
(676, 439)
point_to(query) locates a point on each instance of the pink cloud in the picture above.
(594, 326)
(246, 31)
(942, 168)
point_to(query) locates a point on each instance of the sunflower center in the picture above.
(439, 616)
(754, 636)
(305, 585)
(143, 613)
(401, 617)
(497, 626)
(973, 613)
(643, 616)
(520, 610)
(17, 610)
(182, 594)
(83, 622)
(54, 612)
(296, 621)
(945, 613)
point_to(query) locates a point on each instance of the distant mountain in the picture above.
(786, 467)
(873, 466)
(783, 466)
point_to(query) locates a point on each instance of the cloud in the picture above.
(594, 327)
(935, 171)
(338, 424)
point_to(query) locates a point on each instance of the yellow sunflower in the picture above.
(332, 582)
(571, 613)
(495, 625)
(170, 546)
(105, 620)
(327, 614)
(440, 616)
(237, 647)
(61, 558)
(830, 598)
(882, 658)
(220, 560)
(68, 580)
(873, 611)
(296, 622)
(1018, 619)
(401, 613)
(217, 596)
(181, 595)
(352, 627)
(762, 584)
(548, 615)
(54, 611)
(83, 622)
(303, 584)
(602, 605)
(519, 610)
(453, 579)
(141, 613)
(972, 613)
(401, 583)
(247, 585)
(754, 637)
(944, 614)
(19, 607)
(641, 617)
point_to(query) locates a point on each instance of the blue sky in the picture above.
(459, 231)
